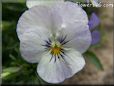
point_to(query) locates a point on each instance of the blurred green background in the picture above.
(18, 71)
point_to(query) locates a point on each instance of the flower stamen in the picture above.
(56, 46)
(55, 50)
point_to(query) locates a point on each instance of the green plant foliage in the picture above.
(8, 71)
(94, 59)
(15, 69)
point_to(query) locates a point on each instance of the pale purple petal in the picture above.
(95, 37)
(56, 71)
(87, 1)
(94, 21)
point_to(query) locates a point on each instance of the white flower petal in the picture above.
(74, 60)
(56, 21)
(38, 17)
(74, 25)
(57, 71)
(30, 53)
(33, 18)
(31, 45)
(32, 3)
(78, 35)
(71, 12)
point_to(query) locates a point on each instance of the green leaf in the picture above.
(94, 59)
(7, 71)
(13, 1)
(12, 57)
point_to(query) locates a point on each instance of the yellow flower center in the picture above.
(56, 50)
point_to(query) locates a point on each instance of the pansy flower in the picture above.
(93, 23)
(55, 37)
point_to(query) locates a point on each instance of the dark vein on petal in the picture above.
(63, 52)
(55, 58)
(46, 45)
(62, 57)
(47, 42)
(51, 57)
(64, 42)
(63, 39)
